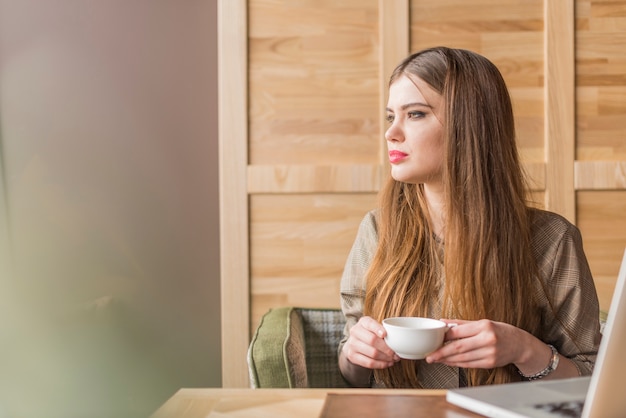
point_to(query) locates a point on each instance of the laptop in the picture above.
(598, 395)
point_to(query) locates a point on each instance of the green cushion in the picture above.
(276, 356)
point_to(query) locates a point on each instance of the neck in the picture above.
(435, 201)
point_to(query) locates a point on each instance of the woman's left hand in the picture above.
(486, 344)
(482, 344)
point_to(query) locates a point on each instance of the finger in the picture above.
(475, 359)
(466, 355)
(467, 329)
(458, 331)
(368, 356)
(364, 341)
(451, 349)
(362, 332)
(371, 332)
(373, 326)
(368, 362)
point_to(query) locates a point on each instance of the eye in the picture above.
(416, 114)
(389, 117)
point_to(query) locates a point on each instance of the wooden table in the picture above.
(308, 403)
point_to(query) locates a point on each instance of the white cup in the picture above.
(414, 337)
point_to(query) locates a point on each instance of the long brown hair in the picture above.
(487, 269)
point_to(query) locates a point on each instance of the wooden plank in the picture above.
(600, 80)
(233, 136)
(601, 116)
(313, 82)
(603, 226)
(394, 33)
(299, 246)
(600, 175)
(303, 178)
(356, 178)
(559, 108)
(600, 169)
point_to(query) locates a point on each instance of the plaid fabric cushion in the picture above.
(323, 330)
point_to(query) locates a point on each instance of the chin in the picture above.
(403, 177)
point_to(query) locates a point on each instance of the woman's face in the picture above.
(415, 133)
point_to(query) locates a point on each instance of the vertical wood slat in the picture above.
(233, 156)
(394, 35)
(559, 108)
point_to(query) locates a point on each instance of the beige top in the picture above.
(558, 249)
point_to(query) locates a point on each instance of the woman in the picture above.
(455, 238)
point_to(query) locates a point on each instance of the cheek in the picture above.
(431, 145)
(437, 143)
(438, 150)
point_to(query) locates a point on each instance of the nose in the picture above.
(394, 133)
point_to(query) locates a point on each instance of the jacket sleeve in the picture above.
(572, 325)
(353, 282)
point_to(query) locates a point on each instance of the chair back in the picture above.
(297, 348)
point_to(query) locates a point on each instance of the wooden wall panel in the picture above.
(559, 108)
(313, 130)
(299, 245)
(301, 131)
(233, 135)
(602, 222)
(309, 178)
(601, 80)
(510, 34)
(600, 167)
(313, 82)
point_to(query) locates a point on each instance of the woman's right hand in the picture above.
(366, 346)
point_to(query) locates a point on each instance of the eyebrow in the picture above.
(409, 105)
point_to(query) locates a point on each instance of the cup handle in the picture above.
(452, 325)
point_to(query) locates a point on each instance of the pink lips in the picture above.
(396, 156)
